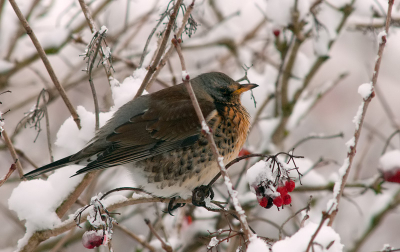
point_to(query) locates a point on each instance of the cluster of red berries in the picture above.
(265, 200)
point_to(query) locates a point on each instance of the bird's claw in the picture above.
(172, 207)
(200, 194)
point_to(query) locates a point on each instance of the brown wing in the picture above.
(169, 123)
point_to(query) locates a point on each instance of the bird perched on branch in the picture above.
(158, 137)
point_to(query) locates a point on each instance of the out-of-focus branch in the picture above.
(376, 220)
(135, 237)
(232, 192)
(46, 62)
(161, 49)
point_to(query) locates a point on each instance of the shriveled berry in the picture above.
(92, 239)
(287, 199)
(282, 190)
(270, 203)
(290, 185)
(278, 201)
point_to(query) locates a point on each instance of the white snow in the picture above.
(205, 127)
(259, 172)
(257, 245)
(365, 90)
(380, 37)
(103, 29)
(185, 75)
(390, 160)
(213, 242)
(357, 117)
(300, 240)
(124, 92)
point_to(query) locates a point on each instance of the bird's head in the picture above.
(221, 87)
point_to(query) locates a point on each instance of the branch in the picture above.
(161, 50)
(232, 192)
(46, 62)
(43, 235)
(13, 153)
(345, 169)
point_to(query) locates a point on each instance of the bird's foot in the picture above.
(172, 207)
(200, 194)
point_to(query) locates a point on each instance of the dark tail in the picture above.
(50, 167)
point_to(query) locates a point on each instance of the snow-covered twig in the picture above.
(232, 192)
(43, 235)
(316, 136)
(358, 120)
(46, 62)
(161, 49)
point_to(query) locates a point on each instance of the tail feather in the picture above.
(50, 167)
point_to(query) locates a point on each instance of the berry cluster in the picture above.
(279, 196)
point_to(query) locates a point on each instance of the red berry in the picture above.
(392, 176)
(263, 202)
(287, 199)
(290, 185)
(92, 239)
(282, 190)
(276, 32)
(278, 201)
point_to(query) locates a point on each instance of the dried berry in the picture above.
(276, 33)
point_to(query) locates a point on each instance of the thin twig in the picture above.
(167, 55)
(135, 237)
(232, 192)
(46, 62)
(13, 167)
(165, 246)
(307, 208)
(316, 137)
(161, 50)
(13, 153)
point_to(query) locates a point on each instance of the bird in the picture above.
(158, 137)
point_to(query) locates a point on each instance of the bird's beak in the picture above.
(245, 87)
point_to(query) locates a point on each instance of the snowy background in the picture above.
(230, 35)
